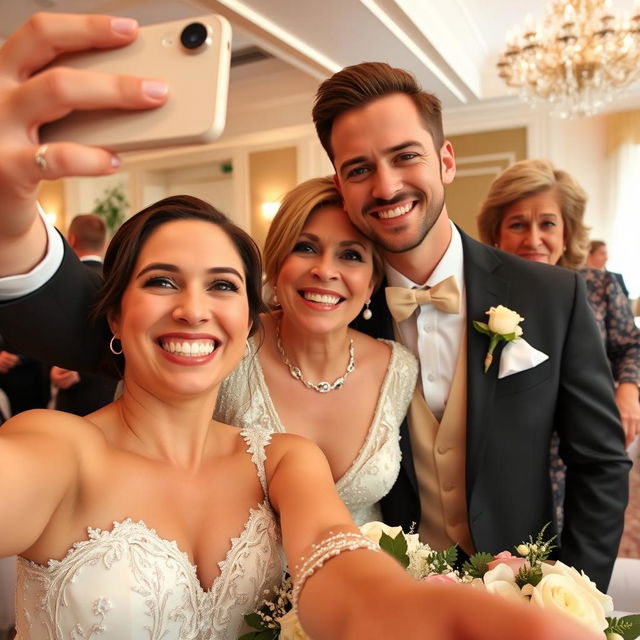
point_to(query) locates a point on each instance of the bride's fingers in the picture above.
(61, 159)
(55, 92)
(47, 35)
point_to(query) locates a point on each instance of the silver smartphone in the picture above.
(192, 56)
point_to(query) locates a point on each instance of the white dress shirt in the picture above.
(432, 335)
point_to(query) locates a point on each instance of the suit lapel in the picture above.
(484, 289)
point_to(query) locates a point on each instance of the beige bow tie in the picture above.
(402, 302)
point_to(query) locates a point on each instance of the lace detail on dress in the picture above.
(130, 584)
(257, 441)
(244, 400)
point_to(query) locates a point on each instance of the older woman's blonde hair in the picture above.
(528, 178)
(286, 226)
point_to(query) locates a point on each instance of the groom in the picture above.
(475, 444)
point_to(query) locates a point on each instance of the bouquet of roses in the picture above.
(526, 577)
(555, 586)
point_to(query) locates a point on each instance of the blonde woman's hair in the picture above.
(286, 226)
(528, 178)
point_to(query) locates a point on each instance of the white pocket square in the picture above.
(518, 355)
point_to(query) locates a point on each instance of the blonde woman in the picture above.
(313, 375)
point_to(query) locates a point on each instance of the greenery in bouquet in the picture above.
(526, 577)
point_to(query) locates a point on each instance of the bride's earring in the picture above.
(115, 346)
(367, 313)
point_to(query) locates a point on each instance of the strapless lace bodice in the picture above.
(128, 583)
(244, 400)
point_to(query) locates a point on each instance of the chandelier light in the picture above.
(578, 61)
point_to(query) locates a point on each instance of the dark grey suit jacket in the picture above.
(510, 421)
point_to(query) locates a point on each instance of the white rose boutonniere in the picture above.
(503, 325)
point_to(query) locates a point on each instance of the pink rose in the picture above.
(441, 578)
(504, 557)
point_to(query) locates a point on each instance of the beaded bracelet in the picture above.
(328, 548)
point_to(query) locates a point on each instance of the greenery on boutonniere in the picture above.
(503, 325)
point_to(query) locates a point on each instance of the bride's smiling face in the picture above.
(184, 316)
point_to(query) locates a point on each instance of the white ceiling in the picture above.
(450, 45)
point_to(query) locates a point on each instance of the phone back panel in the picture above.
(198, 81)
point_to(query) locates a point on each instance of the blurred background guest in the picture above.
(597, 259)
(83, 393)
(24, 382)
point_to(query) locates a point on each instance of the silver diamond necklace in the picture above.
(320, 387)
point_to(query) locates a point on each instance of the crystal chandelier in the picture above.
(578, 61)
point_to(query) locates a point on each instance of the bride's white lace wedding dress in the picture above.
(128, 583)
(244, 400)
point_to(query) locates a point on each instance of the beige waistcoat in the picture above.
(439, 457)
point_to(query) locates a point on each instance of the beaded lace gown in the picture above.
(244, 400)
(128, 583)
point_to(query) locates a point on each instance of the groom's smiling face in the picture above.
(389, 173)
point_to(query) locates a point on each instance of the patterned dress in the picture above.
(621, 338)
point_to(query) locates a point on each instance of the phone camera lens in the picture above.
(193, 35)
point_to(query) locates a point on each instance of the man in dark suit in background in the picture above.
(83, 393)
(476, 446)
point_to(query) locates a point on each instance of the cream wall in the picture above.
(579, 147)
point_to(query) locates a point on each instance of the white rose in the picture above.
(290, 627)
(374, 530)
(582, 579)
(501, 581)
(504, 321)
(560, 591)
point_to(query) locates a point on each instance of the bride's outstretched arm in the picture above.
(366, 594)
(39, 466)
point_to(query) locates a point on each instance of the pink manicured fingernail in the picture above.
(124, 26)
(115, 162)
(155, 88)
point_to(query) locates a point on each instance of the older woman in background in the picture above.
(536, 211)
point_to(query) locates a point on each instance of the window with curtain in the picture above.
(624, 154)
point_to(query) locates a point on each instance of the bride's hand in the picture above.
(31, 96)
